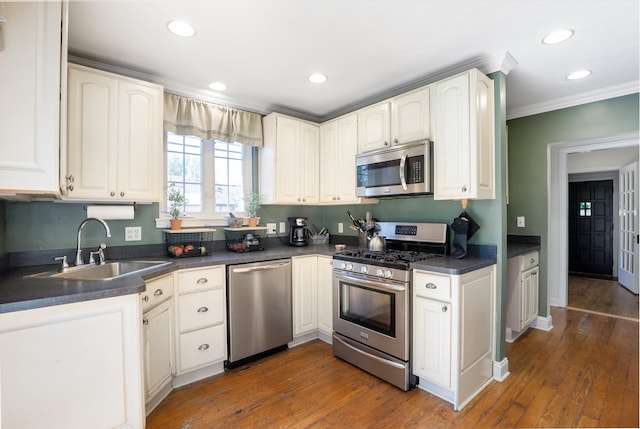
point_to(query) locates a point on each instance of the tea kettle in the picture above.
(377, 243)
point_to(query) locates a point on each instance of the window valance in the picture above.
(186, 116)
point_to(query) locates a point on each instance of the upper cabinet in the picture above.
(289, 171)
(338, 149)
(464, 139)
(402, 119)
(30, 67)
(114, 143)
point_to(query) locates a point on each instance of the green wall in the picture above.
(528, 140)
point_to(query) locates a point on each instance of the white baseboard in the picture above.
(198, 374)
(501, 370)
(543, 323)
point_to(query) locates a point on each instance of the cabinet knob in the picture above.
(202, 280)
(203, 310)
(158, 292)
(70, 188)
(444, 309)
(431, 286)
(145, 298)
(386, 143)
(122, 194)
(145, 322)
(464, 189)
(203, 347)
(338, 198)
(71, 178)
(298, 199)
(113, 194)
(395, 141)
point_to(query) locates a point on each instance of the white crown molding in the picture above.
(575, 100)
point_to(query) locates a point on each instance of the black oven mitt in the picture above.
(460, 228)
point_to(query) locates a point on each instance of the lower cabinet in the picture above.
(312, 298)
(453, 333)
(158, 340)
(522, 294)
(201, 307)
(72, 366)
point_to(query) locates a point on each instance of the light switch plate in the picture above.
(132, 233)
(340, 227)
(520, 221)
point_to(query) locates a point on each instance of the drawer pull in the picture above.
(145, 322)
(145, 298)
(158, 292)
(203, 310)
(202, 280)
(203, 347)
(431, 286)
(444, 309)
(532, 261)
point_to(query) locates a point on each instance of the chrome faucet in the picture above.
(79, 260)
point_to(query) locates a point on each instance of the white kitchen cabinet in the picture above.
(305, 294)
(201, 309)
(522, 294)
(289, 161)
(453, 333)
(73, 366)
(114, 138)
(464, 139)
(399, 120)
(158, 339)
(325, 296)
(30, 68)
(338, 149)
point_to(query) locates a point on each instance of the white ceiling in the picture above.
(370, 49)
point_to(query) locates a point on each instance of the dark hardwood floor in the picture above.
(602, 296)
(582, 373)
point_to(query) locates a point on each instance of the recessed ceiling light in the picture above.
(181, 28)
(578, 74)
(217, 86)
(557, 36)
(317, 78)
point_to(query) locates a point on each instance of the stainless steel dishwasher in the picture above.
(259, 304)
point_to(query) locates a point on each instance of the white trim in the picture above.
(501, 370)
(575, 100)
(543, 323)
(557, 230)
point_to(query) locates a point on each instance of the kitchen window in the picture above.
(214, 175)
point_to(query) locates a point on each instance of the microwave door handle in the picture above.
(403, 162)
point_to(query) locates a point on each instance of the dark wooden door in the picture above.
(591, 227)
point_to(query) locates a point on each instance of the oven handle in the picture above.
(403, 162)
(370, 356)
(374, 285)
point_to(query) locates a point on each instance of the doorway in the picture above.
(591, 228)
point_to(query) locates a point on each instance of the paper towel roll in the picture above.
(111, 212)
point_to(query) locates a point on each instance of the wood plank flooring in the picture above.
(602, 296)
(582, 373)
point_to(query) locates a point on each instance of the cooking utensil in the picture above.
(355, 222)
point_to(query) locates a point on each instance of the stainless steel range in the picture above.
(372, 299)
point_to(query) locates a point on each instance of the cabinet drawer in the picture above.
(433, 286)
(158, 290)
(201, 309)
(529, 260)
(202, 347)
(200, 279)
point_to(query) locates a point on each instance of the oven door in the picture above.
(373, 312)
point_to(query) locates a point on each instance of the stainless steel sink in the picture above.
(107, 271)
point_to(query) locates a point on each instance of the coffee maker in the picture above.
(297, 231)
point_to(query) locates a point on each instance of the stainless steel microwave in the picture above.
(396, 171)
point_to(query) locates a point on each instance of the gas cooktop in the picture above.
(390, 258)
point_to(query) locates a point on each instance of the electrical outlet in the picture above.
(132, 233)
(340, 228)
(283, 227)
(520, 221)
(271, 228)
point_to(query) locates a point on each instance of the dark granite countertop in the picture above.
(522, 244)
(18, 292)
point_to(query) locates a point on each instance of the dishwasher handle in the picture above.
(261, 268)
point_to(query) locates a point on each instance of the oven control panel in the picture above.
(372, 270)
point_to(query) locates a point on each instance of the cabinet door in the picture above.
(92, 135)
(529, 297)
(305, 292)
(325, 294)
(410, 117)
(374, 127)
(201, 309)
(30, 101)
(288, 153)
(432, 341)
(308, 163)
(329, 150)
(157, 329)
(339, 146)
(139, 142)
(452, 151)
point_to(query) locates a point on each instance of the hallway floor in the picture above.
(602, 296)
